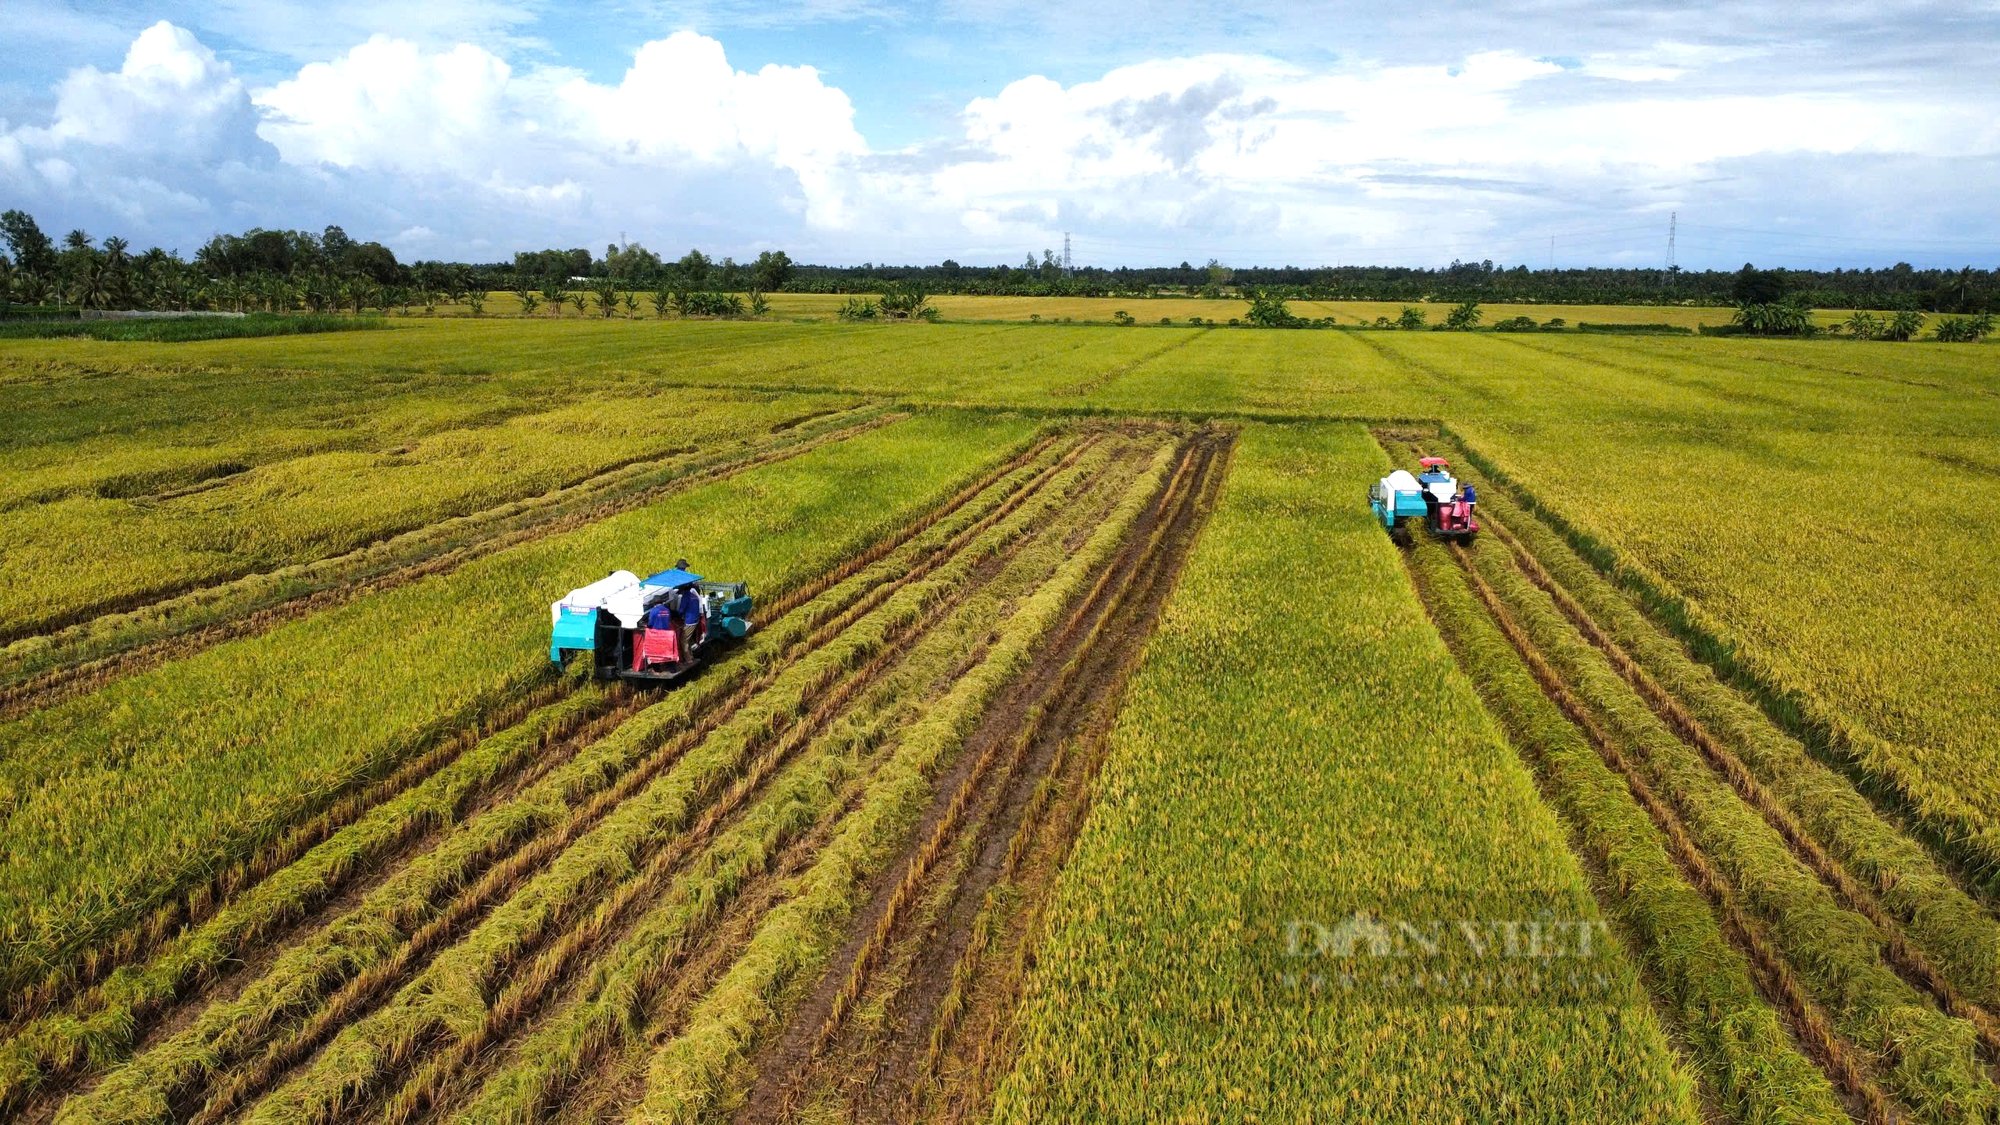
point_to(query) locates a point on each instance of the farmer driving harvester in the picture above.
(657, 628)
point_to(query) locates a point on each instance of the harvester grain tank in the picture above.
(648, 629)
(1433, 496)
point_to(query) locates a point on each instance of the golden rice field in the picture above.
(1096, 755)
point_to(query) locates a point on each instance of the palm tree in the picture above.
(1904, 325)
(87, 287)
(577, 300)
(528, 302)
(1864, 325)
(554, 295)
(117, 275)
(32, 287)
(661, 299)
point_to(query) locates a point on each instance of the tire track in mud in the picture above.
(987, 809)
(990, 491)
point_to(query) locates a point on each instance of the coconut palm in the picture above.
(1904, 325)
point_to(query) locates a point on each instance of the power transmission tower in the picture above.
(1068, 264)
(1673, 228)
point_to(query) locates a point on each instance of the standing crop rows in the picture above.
(1297, 749)
(495, 957)
(1815, 960)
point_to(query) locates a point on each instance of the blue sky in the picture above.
(855, 130)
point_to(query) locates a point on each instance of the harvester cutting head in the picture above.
(1433, 496)
(653, 628)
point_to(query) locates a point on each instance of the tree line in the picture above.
(1900, 286)
(285, 270)
(293, 270)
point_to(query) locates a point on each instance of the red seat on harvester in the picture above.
(656, 646)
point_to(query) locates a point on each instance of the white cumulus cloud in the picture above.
(475, 147)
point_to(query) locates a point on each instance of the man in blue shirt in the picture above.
(661, 615)
(691, 607)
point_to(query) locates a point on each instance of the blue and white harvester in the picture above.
(654, 628)
(1434, 496)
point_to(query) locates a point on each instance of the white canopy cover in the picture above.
(598, 595)
(1400, 481)
(622, 594)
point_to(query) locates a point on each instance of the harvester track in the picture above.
(216, 1051)
(1928, 944)
(979, 868)
(441, 747)
(773, 748)
(448, 1077)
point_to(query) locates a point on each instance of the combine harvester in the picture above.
(1435, 495)
(651, 629)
